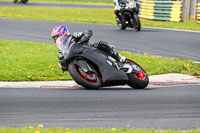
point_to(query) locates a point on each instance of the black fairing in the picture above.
(128, 14)
(110, 75)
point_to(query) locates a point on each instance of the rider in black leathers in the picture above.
(118, 9)
(60, 33)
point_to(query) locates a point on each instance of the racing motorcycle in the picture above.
(20, 1)
(129, 15)
(93, 68)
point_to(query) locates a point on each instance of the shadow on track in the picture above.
(115, 88)
(142, 30)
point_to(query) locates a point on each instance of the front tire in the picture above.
(137, 24)
(137, 80)
(89, 81)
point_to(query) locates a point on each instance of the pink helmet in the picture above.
(59, 31)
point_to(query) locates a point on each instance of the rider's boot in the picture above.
(122, 58)
(117, 56)
(123, 20)
(102, 45)
(119, 15)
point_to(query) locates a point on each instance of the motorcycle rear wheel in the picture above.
(137, 80)
(89, 81)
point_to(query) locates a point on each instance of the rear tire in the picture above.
(89, 81)
(138, 80)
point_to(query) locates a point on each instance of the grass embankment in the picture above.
(92, 2)
(101, 16)
(91, 130)
(28, 61)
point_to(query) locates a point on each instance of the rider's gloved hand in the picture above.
(86, 37)
(77, 34)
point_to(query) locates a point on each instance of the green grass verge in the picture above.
(90, 130)
(92, 2)
(101, 16)
(28, 61)
(59, 14)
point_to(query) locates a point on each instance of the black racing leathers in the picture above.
(83, 37)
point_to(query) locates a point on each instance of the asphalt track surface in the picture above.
(167, 43)
(159, 108)
(3, 3)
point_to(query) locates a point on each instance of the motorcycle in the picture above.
(93, 68)
(20, 1)
(129, 15)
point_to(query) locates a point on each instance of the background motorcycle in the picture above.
(93, 68)
(129, 15)
(20, 1)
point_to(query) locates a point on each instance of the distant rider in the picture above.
(61, 34)
(117, 8)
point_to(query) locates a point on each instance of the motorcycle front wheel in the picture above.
(87, 80)
(137, 80)
(137, 24)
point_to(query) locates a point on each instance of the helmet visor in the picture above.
(55, 38)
